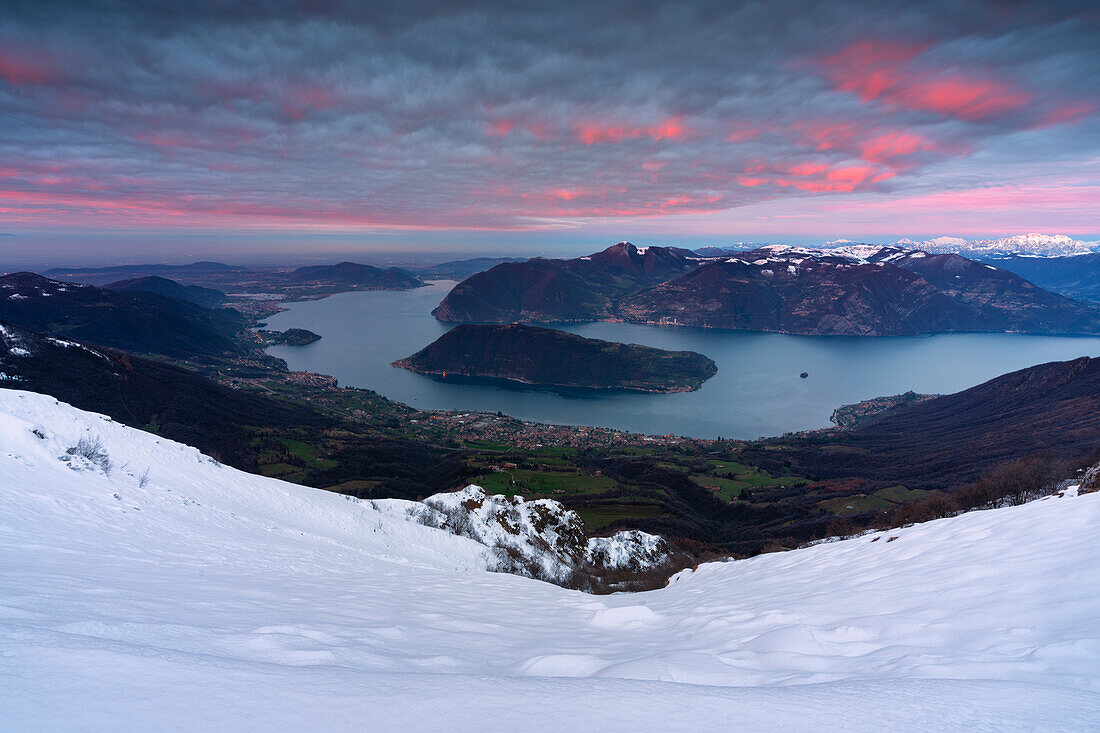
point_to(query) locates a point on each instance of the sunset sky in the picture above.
(159, 130)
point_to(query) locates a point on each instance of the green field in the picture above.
(486, 445)
(848, 505)
(599, 516)
(537, 483)
(900, 494)
(728, 479)
(724, 488)
(278, 469)
(350, 487)
(310, 455)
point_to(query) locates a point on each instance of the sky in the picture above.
(175, 130)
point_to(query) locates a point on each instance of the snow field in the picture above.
(214, 599)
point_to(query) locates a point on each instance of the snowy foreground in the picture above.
(211, 599)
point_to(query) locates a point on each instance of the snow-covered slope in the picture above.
(203, 598)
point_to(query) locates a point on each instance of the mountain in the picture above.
(131, 320)
(856, 289)
(104, 275)
(793, 290)
(1035, 245)
(460, 269)
(543, 356)
(1074, 276)
(580, 289)
(205, 297)
(356, 275)
(948, 440)
(1000, 300)
(173, 592)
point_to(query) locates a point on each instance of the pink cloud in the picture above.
(889, 146)
(741, 134)
(875, 70)
(590, 133)
(500, 128)
(992, 199)
(21, 67)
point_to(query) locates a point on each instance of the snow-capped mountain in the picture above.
(1035, 245)
(144, 586)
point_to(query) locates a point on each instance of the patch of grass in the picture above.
(729, 478)
(308, 453)
(632, 450)
(726, 489)
(850, 449)
(560, 452)
(729, 467)
(848, 505)
(486, 445)
(350, 487)
(598, 516)
(278, 469)
(901, 494)
(542, 483)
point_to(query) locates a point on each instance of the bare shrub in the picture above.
(94, 451)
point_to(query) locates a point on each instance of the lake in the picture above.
(757, 391)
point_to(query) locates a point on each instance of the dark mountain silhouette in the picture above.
(206, 297)
(175, 402)
(352, 274)
(459, 269)
(104, 275)
(131, 320)
(1075, 277)
(948, 440)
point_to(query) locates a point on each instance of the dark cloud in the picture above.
(519, 115)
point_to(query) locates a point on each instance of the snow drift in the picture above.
(170, 592)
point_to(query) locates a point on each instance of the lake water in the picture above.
(757, 391)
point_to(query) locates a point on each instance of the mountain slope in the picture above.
(826, 295)
(1076, 276)
(180, 404)
(205, 297)
(206, 598)
(130, 320)
(541, 290)
(937, 443)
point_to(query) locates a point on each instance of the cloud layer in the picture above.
(519, 116)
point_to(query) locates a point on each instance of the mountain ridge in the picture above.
(132, 320)
(850, 290)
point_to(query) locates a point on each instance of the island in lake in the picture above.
(531, 355)
(290, 337)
